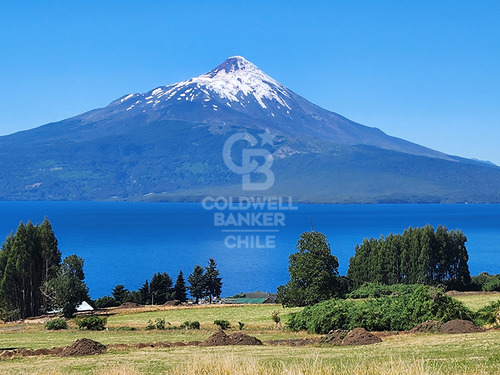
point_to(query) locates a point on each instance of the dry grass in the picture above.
(400, 354)
(476, 300)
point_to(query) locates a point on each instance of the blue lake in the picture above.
(125, 243)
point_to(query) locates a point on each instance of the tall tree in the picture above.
(68, 289)
(213, 283)
(145, 293)
(180, 290)
(160, 288)
(120, 293)
(197, 283)
(418, 256)
(27, 260)
(313, 272)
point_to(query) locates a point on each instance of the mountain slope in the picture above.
(167, 144)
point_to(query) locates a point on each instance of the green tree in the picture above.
(313, 272)
(68, 290)
(180, 290)
(120, 293)
(145, 293)
(160, 288)
(197, 283)
(213, 283)
(418, 256)
(28, 259)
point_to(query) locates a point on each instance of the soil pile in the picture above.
(220, 338)
(460, 326)
(173, 302)
(334, 337)
(83, 347)
(360, 336)
(428, 326)
(242, 339)
(129, 305)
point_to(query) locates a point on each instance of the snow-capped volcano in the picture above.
(167, 144)
(238, 93)
(236, 84)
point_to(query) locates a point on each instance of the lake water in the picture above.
(125, 243)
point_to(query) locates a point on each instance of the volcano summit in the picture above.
(166, 144)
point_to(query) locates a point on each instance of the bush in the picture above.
(388, 313)
(489, 314)
(125, 328)
(241, 325)
(275, 316)
(106, 301)
(160, 324)
(190, 325)
(223, 324)
(150, 325)
(92, 323)
(374, 290)
(56, 324)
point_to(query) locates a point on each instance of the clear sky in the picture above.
(426, 71)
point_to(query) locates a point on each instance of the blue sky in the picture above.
(426, 71)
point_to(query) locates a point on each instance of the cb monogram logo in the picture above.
(249, 164)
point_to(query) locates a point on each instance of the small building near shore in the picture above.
(252, 298)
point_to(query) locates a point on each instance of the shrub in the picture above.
(388, 313)
(241, 325)
(56, 324)
(275, 316)
(190, 325)
(223, 324)
(374, 290)
(150, 325)
(160, 323)
(489, 314)
(125, 328)
(92, 323)
(106, 301)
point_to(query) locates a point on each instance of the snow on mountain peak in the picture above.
(235, 80)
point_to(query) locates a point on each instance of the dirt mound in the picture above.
(129, 305)
(334, 337)
(460, 326)
(242, 339)
(220, 338)
(173, 302)
(360, 336)
(217, 339)
(83, 347)
(427, 327)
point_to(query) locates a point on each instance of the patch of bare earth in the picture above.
(83, 347)
(460, 326)
(220, 338)
(360, 336)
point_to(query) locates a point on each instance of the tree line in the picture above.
(203, 282)
(33, 279)
(418, 256)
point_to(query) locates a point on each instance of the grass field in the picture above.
(477, 353)
(475, 300)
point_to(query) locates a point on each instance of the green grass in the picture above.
(253, 316)
(475, 301)
(399, 354)
(405, 354)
